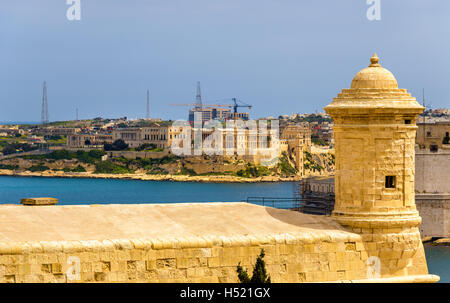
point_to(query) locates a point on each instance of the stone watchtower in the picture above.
(374, 132)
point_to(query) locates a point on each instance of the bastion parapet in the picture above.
(194, 242)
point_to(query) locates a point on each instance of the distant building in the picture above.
(160, 136)
(33, 139)
(82, 140)
(210, 113)
(239, 116)
(57, 131)
(131, 136)
(298, 139)
(10, 131)
(222, 114)
(432, 134)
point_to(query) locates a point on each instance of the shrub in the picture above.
(187, 171)
(259, 274)
(146, 146)
(285, 167)
(107, 167)
(8, 150)
(96, 153)
(7, 166)
(119, 144)
(39, 167)
(79, 169)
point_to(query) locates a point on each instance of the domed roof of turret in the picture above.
(374, 89)
(374, 76)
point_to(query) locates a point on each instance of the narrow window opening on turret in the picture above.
(390, 182)
(407, 121)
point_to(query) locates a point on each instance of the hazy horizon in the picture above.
(282, 57)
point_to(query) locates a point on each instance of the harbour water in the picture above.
(113, 191)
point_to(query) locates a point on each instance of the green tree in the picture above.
(259, 274)
(9, 150)
(119, 144)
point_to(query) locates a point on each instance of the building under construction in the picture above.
(221, 112)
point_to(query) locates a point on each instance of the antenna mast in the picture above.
(424, 128)
(148, 105)
(198, 97)
(44, 111)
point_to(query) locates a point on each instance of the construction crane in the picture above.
(236, 105)
(198, 105)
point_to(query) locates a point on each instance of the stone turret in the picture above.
(374, 132)
(374, 129)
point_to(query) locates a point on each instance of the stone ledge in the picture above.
(14, 248)
(39, 201)
(400, 279)
(430, 196)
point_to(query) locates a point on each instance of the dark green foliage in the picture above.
(107, 167)
(317, 141)
(12, 148)
(96, 153)
(7, 166)
(252, 171)
(309, 162)
(284, 165)
(79, 169)
(83, 156)
(313, 118)
(187, 171)
(119, 144)
(8, 150)
(259, 274)
(146, 146)
(39, 167)
(48, 137)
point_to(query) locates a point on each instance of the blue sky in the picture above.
(281, 56)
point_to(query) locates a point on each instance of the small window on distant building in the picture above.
(428, 134)
(407, 121)
(390, 182)
(433, 148)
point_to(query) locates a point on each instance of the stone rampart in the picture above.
(299, 248)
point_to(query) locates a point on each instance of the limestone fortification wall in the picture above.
(435, 212)
(196, 242)
(432, 171)
(433, 191)
(336, 256)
